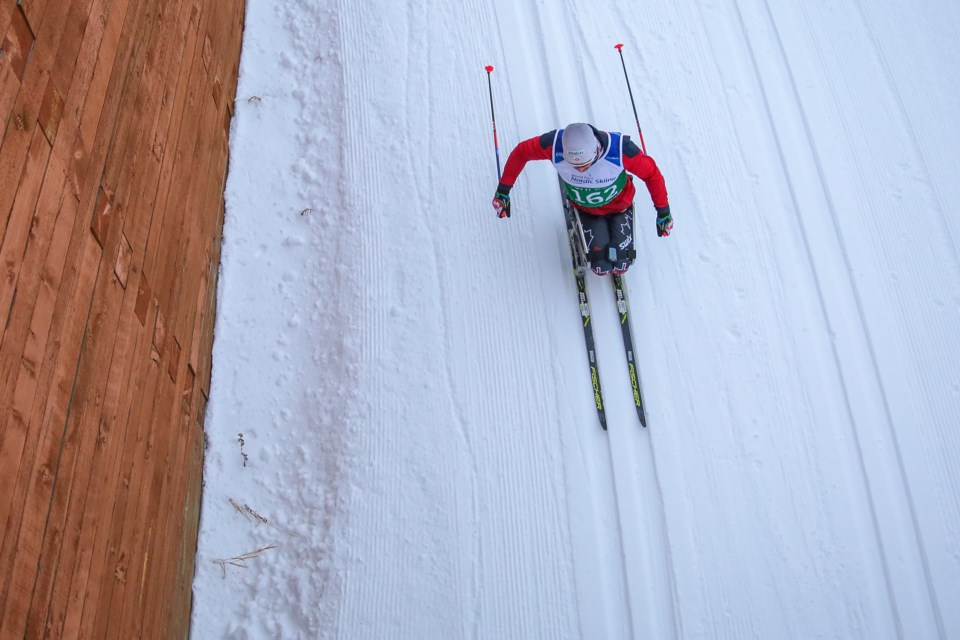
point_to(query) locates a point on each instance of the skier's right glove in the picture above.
(501, 204)
(664, 221)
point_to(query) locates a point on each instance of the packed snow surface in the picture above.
(401, 430)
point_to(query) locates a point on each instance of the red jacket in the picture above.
(634, 161)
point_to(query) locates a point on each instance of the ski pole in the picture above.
(619, 48)
(496, 147)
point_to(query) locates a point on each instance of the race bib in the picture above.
(592, 197)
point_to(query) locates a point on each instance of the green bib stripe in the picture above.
(590, 197)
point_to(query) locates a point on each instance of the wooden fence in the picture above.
(114, 117)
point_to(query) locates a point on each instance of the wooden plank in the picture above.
(38, 237)
(32, 527)
(83, 282)
(14, 431)
(204, 197)
(180, 134)
(163, 72)
(15, 240)
(190, 316)
(29, 234)
(138, 176)
(192, 261)
(162, 585)
(16, 136)
(138, 470)
(170, 225)
(40, 323)
(145, 178)
(42, 444)
(176, 486)
(210, 201)
(51, 110)
(45, 382)
(109, 75)
(189, 133)
(7, 8)
(17, 44)
(61, 542)
(132, 100)
(103, 212)
(113, 432)
(68, 47)
(13, 428)
(9, 80)
(196, 254)
(133, 103)
(80, 443)
(176, 613)
(158, 455)
(117, 561)
(49, 116)
(211, 232)
(178, 47)
(169, 445)
(54, 379)
(34, 10)
(121, 267)
(129, 532)
(144, 298)
(104, 564)
(196, 341)
(209, 321)
(9, 85)
(52, 184)
(170, 529)
(37, 336)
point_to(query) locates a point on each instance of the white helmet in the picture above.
(580, 146)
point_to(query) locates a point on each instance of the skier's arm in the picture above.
(641, 165)
(537, 148)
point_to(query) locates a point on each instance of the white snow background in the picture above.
(420, 454)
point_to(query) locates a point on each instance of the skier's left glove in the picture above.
(664, 221)
(501, 204)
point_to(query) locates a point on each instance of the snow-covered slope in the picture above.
(420, 456)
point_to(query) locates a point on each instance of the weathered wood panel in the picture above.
(113, 156)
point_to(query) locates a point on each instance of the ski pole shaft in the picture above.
(496, 146)
(619, 48)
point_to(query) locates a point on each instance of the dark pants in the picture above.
(609, 241)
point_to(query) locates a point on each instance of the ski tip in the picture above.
(489, 68)
(618, 47)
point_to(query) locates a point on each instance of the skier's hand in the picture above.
(664, 221)
(501, 204)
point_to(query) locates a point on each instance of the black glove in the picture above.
(664, 221)
(501, 204)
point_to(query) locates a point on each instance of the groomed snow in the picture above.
(402, 440)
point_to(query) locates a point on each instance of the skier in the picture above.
(593, 166)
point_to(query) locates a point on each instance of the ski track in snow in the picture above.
(629, 605)
(410, 380)
(886, 377)
(418, 261)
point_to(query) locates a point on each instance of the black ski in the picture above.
(620, 290)
(579, 260)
